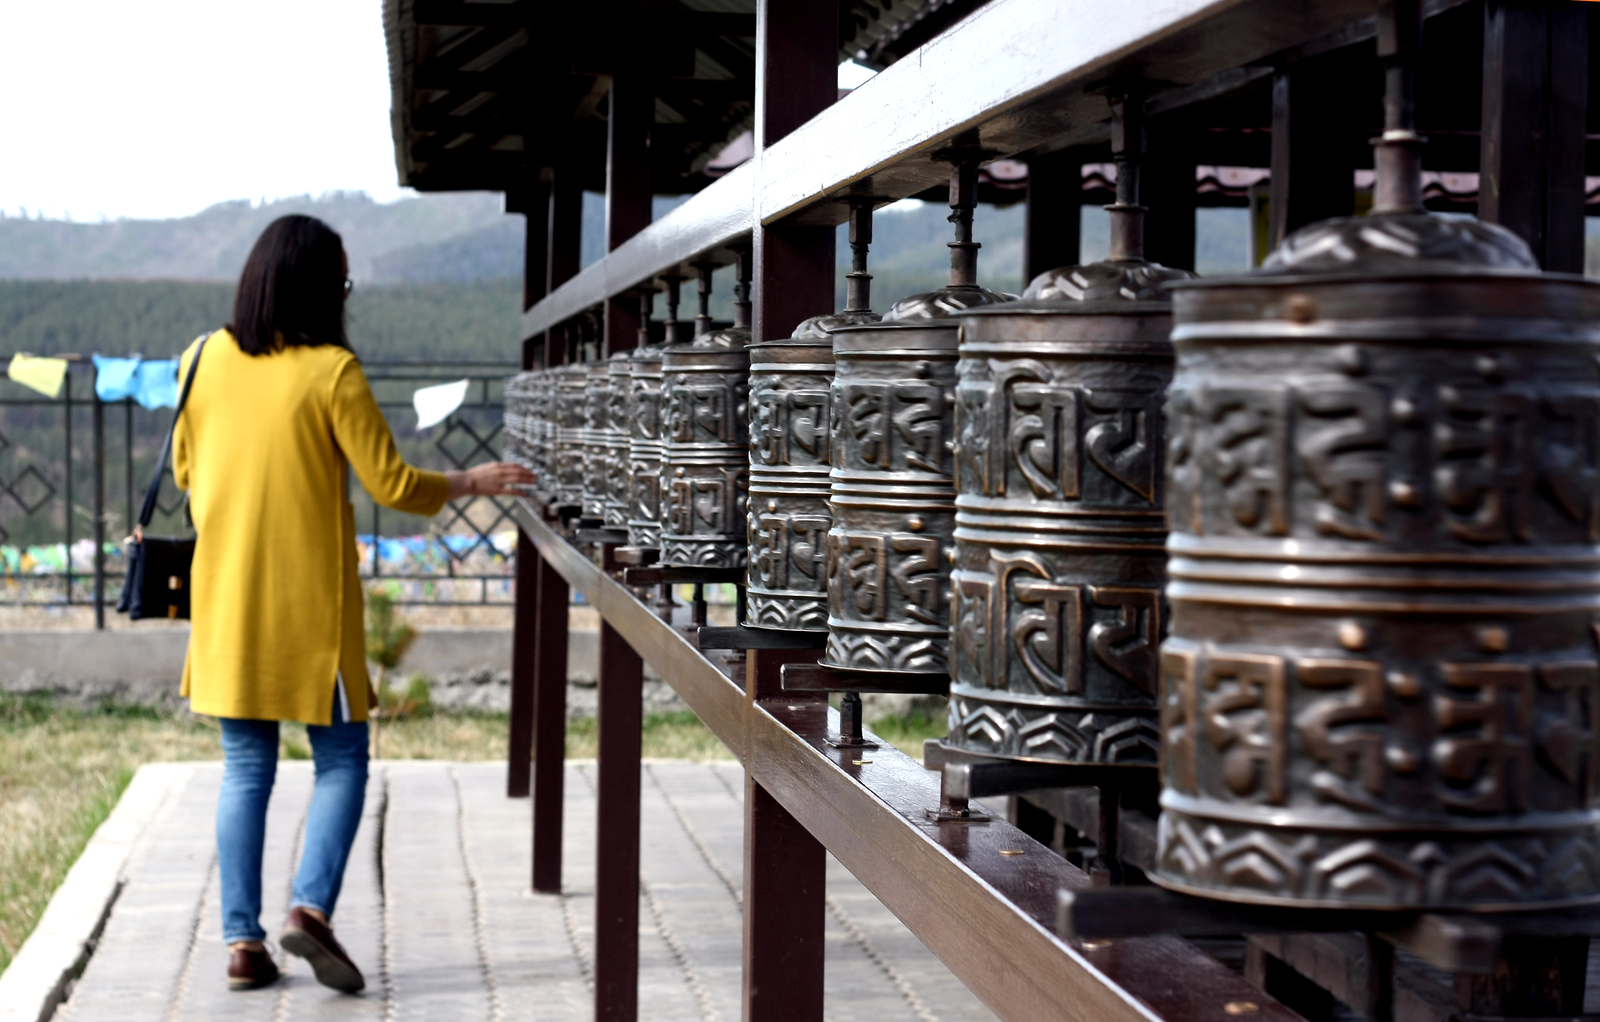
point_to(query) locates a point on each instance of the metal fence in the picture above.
(73, 471)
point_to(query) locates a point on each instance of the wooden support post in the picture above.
(1536, 976)
(632, 111)
(784, 877)
(534, 204)
(1314, 148)
(553, 600)
(1535, 102)
(796, 78)
(616, 896)
(1052, 227)
(565, 249)
(524, 667)
(1167, 183)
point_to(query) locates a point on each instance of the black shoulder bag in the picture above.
(157, 582)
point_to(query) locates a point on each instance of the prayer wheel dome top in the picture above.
(732, 338)
(816, 328)
(1399, 243)
(943, 303)
(1116, 281)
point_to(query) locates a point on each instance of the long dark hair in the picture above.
(292, 289)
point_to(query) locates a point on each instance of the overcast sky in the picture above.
(159, 108)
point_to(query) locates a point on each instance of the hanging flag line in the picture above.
(153, 383)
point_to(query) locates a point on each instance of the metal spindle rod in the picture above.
(647, 302)
(702, 322)
(858, 282)
(963, 197)
(674, 282)
(1127, 148)
(741, 287)
(1397, 153)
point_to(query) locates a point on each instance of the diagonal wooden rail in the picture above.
(963, 889)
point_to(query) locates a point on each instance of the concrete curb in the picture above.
(41, 975)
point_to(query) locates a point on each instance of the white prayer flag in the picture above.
(434, 404)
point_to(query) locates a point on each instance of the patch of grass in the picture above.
(907, 733)
(62, 771)
(675, 735)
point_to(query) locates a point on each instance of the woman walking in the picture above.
(279, 412)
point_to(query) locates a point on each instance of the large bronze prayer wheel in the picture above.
(891, 489)
(1060, 554)
(706, 461)
(596, 423)
(521, 395)
(615, 437)
(789, 516)
(644, 447)
(1383, 678)
(544, 430)
(571, 394)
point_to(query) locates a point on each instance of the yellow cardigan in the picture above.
(276, 603)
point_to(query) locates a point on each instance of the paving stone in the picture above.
(437, 912)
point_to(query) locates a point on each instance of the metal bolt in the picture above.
(1300, 309)
(1493, 638)
(1352, 635)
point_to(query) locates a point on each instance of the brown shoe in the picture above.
(306, 936)
(250, 970)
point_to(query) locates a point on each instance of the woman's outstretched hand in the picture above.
(492, 480)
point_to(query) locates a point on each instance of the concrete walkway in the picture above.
(436, 910)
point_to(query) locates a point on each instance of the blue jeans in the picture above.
(250, 749)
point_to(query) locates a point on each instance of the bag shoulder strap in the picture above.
(148, 511)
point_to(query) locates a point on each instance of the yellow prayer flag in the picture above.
(41, 374)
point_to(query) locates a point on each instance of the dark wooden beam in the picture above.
(536, 247)
(1051, 225)
(565, 243)
(1314, 137)
(628, 122)
(1167, 182)
(499, 114)
(1535, 102)
(506, 75)
(518, 14)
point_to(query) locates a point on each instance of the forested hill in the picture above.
(437, 276)
(454, 237)
(158, 318)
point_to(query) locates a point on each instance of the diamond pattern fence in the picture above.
(69, 462)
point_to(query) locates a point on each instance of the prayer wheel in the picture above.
(1383, 677)
(521, 397)
(1060, 555)
(644, 447)
(544, 430)
(616, 440)
(596, 422)
(891, 489)
(705, 472)
(789, 517)
(571, 393)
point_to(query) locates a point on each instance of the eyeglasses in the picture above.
(348, 284)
